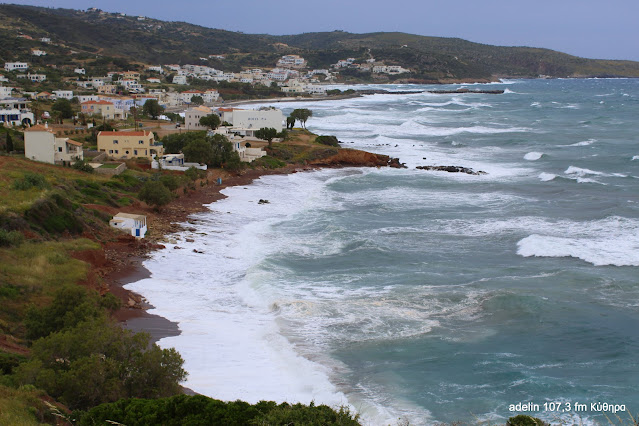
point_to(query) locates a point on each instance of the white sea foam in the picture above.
(580, 172)
(636, 157)
(584, 143)
(611, 241)
(532, 156)
(230, 340)
(546, 177)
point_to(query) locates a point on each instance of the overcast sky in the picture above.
(587, 28)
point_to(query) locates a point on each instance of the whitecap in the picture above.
(584, 143)
(532, 156)
(546, 177)
(636, 157)
(619, 250)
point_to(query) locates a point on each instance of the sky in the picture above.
(586, 28)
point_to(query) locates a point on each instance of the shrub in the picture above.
(83, 166)
(30, 180)
(201, 410)
(10, 238)
(327, 140)
(194, 174)
(170, 181)
(524, 420)
(155, 194)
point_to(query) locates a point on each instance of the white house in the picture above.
(80, 71)
(15, 112)
(192, 117)
(248, 120)
(64, 94)
(16, 66)
(41, 144)
(5, 92)
(291, 61)
(175, 162)
(38, 52)
(37, 78)
(135, 224)
(179, 79)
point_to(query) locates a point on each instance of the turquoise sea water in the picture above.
(422, 295)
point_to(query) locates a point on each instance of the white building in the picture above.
(175, 162)
(247, 121)
(156, 69)
(192, 117)
(45, 40)
(41, 144)
(14, 112)
(5, 92)
(135, 224)
(37, 78)
(38, 52)
(179, 79)
(16, 66)
(291, 61)
(80, 71)
(64, 94)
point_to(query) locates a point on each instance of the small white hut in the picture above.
(133, 223)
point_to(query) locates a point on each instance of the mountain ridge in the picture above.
(148, 40)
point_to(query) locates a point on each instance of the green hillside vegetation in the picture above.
(102, 41)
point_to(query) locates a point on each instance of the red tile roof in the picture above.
(123, 133)
(97, 102)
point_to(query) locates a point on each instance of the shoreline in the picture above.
(126, 256)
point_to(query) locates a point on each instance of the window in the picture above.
(59, 149)
(141, 142)
(116, 151)
(110, 151)
(135, 152)
(127, 152)
(115, 142)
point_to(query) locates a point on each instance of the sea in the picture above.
(425, 297)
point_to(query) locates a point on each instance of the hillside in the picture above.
(82, 35)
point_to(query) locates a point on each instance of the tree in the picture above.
(223, 153)
(9, 142)
(175, 143)
(290, 122)
(64, 107)
(155, 194)
(198, 151)
(267, 134)
(212, 121)
(197, 100)
(302, 114)
(152, 108)
(98, 361)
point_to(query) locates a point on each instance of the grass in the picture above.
(32, 272)
(109, 166)
(22, 407)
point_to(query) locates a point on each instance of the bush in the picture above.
(170, 181)
(10, 238)
(327, 140)
(97, 362)
(194, 174)
(268, 162)
(524, 420)
(155, 194)
(83, 166)
(30, 180)
(201, 410)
